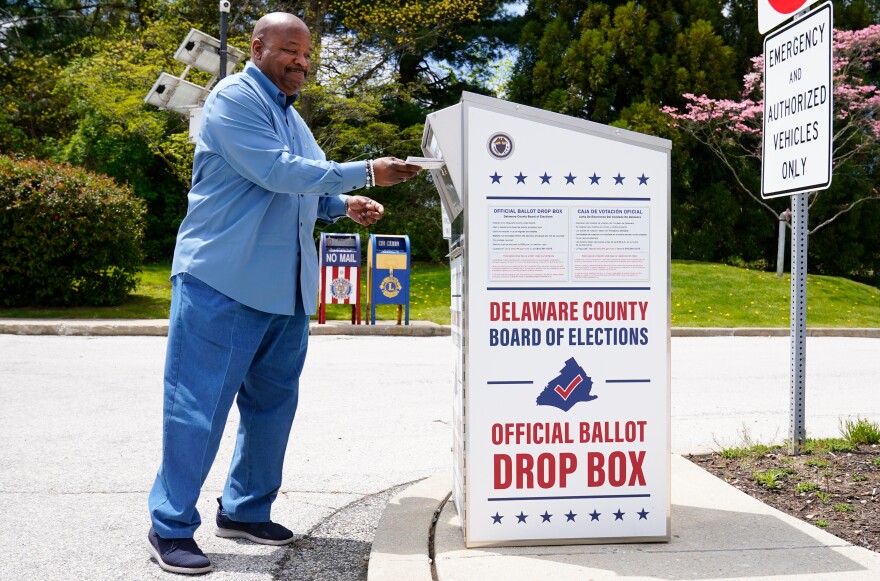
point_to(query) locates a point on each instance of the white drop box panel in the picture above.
(560, 264)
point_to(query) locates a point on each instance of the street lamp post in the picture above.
(224, 15)
(205, 53)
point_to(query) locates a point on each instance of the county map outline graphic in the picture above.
(571, 386)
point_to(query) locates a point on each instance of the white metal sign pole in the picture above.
(797, 431)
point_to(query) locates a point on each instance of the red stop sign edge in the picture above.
(786, 6)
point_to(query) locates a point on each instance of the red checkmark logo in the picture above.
(564, 393)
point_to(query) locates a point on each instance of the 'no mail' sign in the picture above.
(796, 155)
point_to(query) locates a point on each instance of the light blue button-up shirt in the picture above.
(260, 181)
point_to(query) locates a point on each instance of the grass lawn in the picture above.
(715, 295)
(703, 295)
(150, 300)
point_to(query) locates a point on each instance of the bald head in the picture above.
(274, 23)
(281, 49)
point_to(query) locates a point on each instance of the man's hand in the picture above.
(391, 171)
(364, 210)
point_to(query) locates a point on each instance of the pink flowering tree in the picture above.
(732, 129)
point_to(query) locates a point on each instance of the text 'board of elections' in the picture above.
(796, 152)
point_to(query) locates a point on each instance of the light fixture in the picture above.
(202, 51)
(170, 92)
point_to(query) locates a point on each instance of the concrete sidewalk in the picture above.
(718, 532)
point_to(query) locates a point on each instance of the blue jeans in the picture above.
(220, 350)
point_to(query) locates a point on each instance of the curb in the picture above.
(85, 327)
(159, 328)
(400, 545)
(382, 328)
(867, 332)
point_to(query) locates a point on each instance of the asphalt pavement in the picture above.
(80, 421)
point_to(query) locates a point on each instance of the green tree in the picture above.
(732, 130)
(379, 68)
(615, 63)
(74, 77)
(117, 134)
(38, 39)
(593, 60)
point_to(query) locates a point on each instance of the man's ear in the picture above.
(256, 49)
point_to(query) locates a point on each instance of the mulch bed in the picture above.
(837, 491)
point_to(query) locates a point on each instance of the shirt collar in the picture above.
(269, 87)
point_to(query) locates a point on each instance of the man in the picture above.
(244, 282)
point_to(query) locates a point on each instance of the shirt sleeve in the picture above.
(238, 126)
(331, 208)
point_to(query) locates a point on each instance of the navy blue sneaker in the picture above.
(178, 555)
(265, 533)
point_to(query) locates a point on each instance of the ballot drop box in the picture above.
(559, 254)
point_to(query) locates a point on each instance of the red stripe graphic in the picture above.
(349, 273)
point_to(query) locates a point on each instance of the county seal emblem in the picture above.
(500, 145)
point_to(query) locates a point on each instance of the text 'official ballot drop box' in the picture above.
(388, 281)
(559, 257)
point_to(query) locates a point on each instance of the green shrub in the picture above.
(860, 431)
(823, 445)
(750, 450)
(67, 236)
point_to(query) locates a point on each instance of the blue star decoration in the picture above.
(618, 179)
(545, 179)
(569, 516)
(520, 179)
(569, 179)
(643, 179)
(594, 179)
(496, 179)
